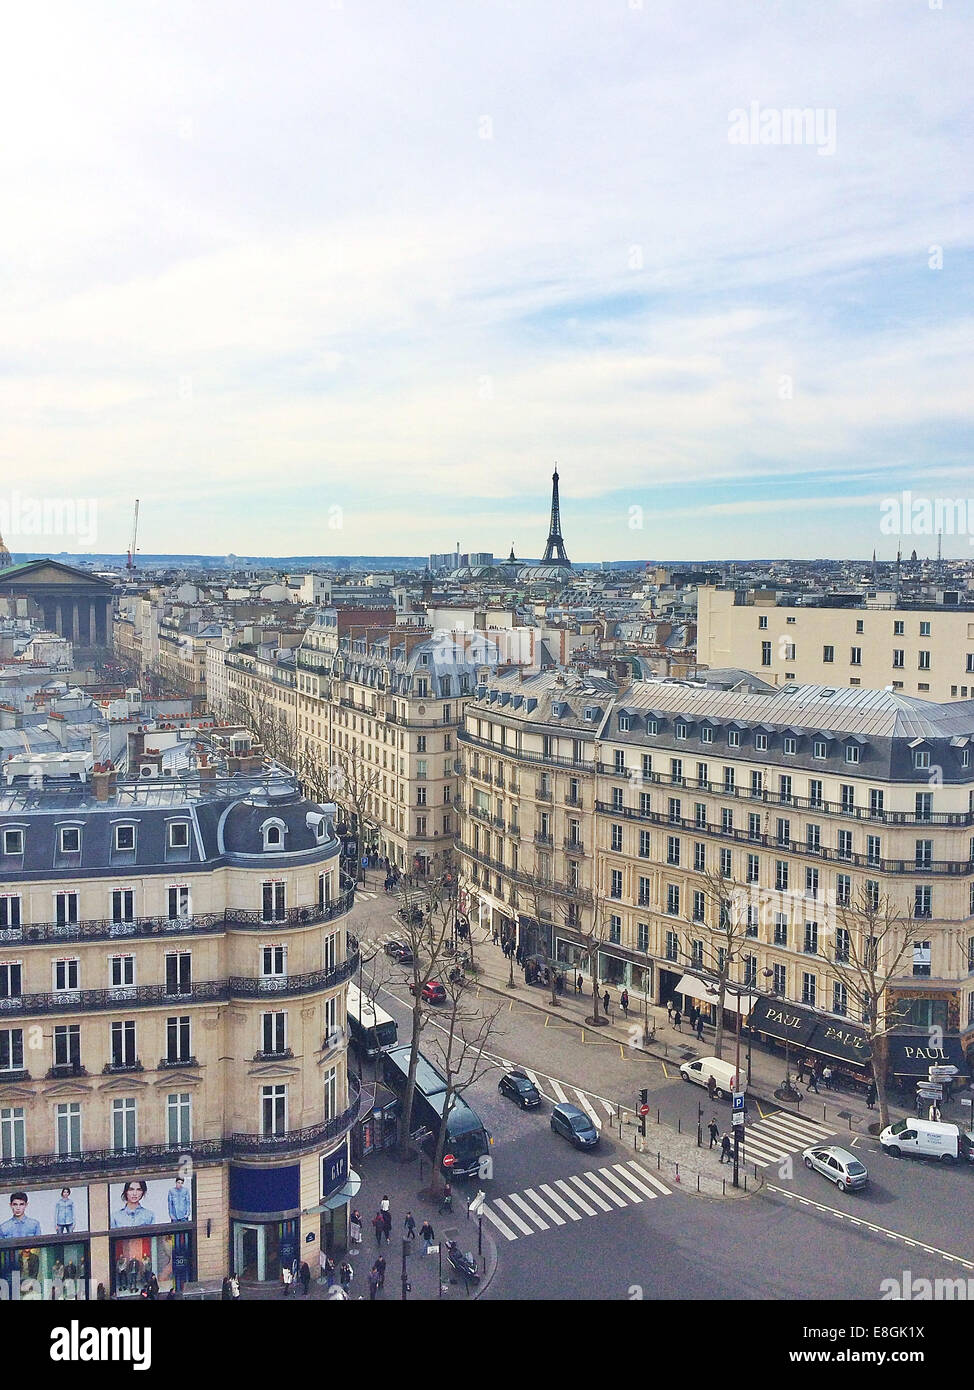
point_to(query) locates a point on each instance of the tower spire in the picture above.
(554, 551)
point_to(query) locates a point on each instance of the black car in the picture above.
(519, 1086)
(400, 951)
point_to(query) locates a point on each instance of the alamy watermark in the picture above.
(788, 125)
(76, 517)
(907, 515)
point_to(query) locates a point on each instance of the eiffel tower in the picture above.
(554, 551)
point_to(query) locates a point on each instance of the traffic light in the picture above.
(643, 1107)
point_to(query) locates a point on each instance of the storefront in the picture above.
(910, 1056)
(44, 1245)
(152, 1233)
(808, 1034)
(264, 1220)
(703, 995)
(339, 1185)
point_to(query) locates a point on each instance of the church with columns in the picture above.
(68, 601)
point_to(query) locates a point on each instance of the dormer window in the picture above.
(125, 837)
(179, 835)
(734, 738)
(69, 839)
(706, 734)
(13, 842)
(273, 833)
(761, 743)
(852, 753)
(624, 724)
(820, 748)
(921, 757)
(652, 726)
(790, 744)
(681, 731)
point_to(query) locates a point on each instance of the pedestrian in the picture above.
(711, 1088)
(605, 1003)
(355, 1228)
(714, 1131)
(305, 1273)
(693, 1017)
(669, 1011)
(560, 983)
(677, 1020)
(225, 1291)
(234, 1286)
(725, 1149)
(329, 1270)
(579, 982)
(827, 1077)
(446, 1203)
(871, 1096)
(801, 1070)
(286, 1279)
(373, 1282)
(935, 1112)
(921, 1103)
(152, 1287)
(426, 1236)
(700, 1027)
(812, 1082)
(379, 1226)
(380, 1267)
(409, 1227)
(624, 1001)
(345, 1274)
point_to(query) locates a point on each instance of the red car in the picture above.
(433, 993)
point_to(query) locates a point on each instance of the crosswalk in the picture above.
(597, 1108)
(594, 1193)
(771, 1138)
(366, 893)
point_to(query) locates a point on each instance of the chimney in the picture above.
(103, 781)
(206, 770)
(136, 743)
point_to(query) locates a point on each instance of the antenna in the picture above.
(130, 563)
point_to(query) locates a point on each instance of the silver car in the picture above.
(838, 1165)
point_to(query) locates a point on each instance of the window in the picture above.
(125, 837)
(273, 1032)
(676, 771)
(840, 998)
(681, 730)
(921, 958)
(67, 1045)
(273, 835)
(615, 883)
(728, 779)
(123, 1043)
(13, 842)
(781, 874)
(765, 653)
(706, 733)
(672, 849)
(763, 624)
(11, 974)
(67, 1129)
(922, 900)
(11, 1049)
(852, 753)
(921, 757)
(784, 831)
(123, 1124)
(179, 975)
(808, 988)
(647, 765)
(13, 1134)
(700, 857)
(859, 625)
(923, 661)
(672, 946)
(673, 899)
(674, 810)
(65, 976)
(790, 744)
(814, 792)
(753, 868)
(699, 906)
(9, 911)
(871, 890)
(179, 1126)
(273, 1110)
(924, 629)
(845, 844)
(750, 970)
(757, 783)
(123, 905)
(644, 844)
(780, 979)
(179, 835)
(652, 726)
(696, 953)
(616, 841)
(876, 801)
(617, 798)
(898, 657)
(828, 654)
(843, 944)
(179, 908)
(331, 1094)
(898, 628)
(725, 863)
(700, 815)
(733, 738)
(121, 971)
(780, 929)
(924, 853)
(66, 909)
(615, 929)
(848, 795)
(645, 889)
(753, 826)
(843, 890)
(761, 743)
(855, 657)
(642, 936)
(811, 938)
(727, 820)
(619, 764)
(69, 839)
(624, 723)
(811, 882)
(750, 921)
(873, 849)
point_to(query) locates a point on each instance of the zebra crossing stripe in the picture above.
(592, 1196)
(609, 1109)
(549, 1191)
(540, 1202)
(532, 1078)
(597, 1182)
(584, 1105)
(513, 1217)
(629, 1192)
(646, 1177)
(541, 1224)
(790, 1124)
(492, 1216)
(589, 1211)
(557, 1089)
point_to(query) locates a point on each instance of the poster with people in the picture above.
(135, 1202)
(52, 1211)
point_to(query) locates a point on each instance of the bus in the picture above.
(371, 1029)
(466, 1138)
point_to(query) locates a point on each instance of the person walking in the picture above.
(935, 1113)
(605, 1003)
(700, 1027)
(801, 1070)
(827, 1077)
(579, 982)
(624, 1002)
(920, 1104)
(152, 1287)
(345, 1274)
(711, 1088)
(225, 1291)
(409, 1227)
(692, 1017)
(329, 1270)
(669, 1011)
(305, 1274)
(677, 1020)
(379, 1226)
(426, 1236)
(713, 1130)
(725, 1149)
(286, 1279)
(812, 1082)
(446, 1203)
(373, 1282)
(355, 1229)
(380, 1266)
(871, 1096)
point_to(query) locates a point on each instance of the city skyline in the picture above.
(330, 288)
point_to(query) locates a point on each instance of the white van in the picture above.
(928, 1139)
(700, 1071)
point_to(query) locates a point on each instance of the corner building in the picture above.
(174, 1086)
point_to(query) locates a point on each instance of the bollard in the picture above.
(657, 1117)
(698, 1182)
(679, 1124)
(723, 1187)
(745, 1182)
(658, 1164)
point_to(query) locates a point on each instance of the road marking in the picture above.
(763, 1115)
(589, 1211)
(869, 1226)
(513, 1217)
(504, 1230)
(644, 1177)
(597, 1182)
(616, 1181)
(561, 1201)
(665, 1072)
(558, 1090)
(609, 1109)
(592, 1196)
(540, 1202)
(515, 1197)
(584, 1105)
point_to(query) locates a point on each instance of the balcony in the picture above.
(121, 1068)
(294, 1140)
(65, 1070)
(281, 1056)
(574, 846)
(168, 1063)
(540, 838)
(611, 770)
(498, 822)
(543, 794)
(523, 755)
(252, 987)
(513, 786)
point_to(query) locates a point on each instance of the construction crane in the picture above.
(130, 563)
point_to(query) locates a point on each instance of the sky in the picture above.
(350, 276)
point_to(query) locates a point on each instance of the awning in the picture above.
(804, 1028)
(779, 1019)
(908, 1055)
(843, 1041)
(709, 993)
(340, 1198)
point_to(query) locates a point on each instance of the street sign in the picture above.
(944, 1073)
(448, 1160)
(738, 1101)
(737, 1118)
(644, 1110)
(433, 1250)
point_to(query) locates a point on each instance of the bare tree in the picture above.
(720, 947)
(868, 949)
(460, 1055)
(539, 892)
(591, 939)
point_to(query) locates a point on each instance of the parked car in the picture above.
(575, 1126)
(519, 1086)
(400, 951)
(700, 1071)
(928, 1139)
(838, 1165)
(433, 992)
